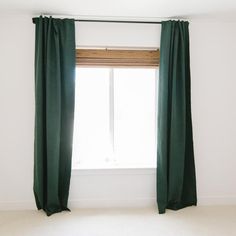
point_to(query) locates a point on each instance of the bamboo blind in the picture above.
(117, 58)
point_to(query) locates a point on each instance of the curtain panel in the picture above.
(176, 181)
(54, 111)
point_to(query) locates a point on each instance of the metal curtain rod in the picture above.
(120, 21)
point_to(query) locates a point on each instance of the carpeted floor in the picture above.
(192, 221)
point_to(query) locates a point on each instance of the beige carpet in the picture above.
(193, 221)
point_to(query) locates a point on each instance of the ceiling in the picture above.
(121, 8)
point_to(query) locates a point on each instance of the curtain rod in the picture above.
(119, 21)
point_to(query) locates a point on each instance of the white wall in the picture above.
(114, 34)
(213, 63)
(16, 110)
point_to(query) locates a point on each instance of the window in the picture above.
(115, 117)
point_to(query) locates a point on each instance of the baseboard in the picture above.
(218, 200)
(17, 206)
(117, 203)
(146, 202)
(111, 203)
(85, 203)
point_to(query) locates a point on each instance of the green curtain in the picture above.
(176, 181)
(54, 111)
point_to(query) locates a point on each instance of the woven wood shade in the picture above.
(117, 58)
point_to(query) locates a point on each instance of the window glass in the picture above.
(91, 122)
(115, 118)
(134, 117)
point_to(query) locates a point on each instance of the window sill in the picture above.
(114, 171)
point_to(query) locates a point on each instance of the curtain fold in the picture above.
(54, 111)
(176, 181)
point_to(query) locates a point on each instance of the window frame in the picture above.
(112, 59)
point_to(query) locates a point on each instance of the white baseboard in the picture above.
(218, 200)
(146, 202)
(117, 203)
(111, 203)
(17, 206)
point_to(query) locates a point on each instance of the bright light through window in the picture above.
(134, 118)
(115, 118)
